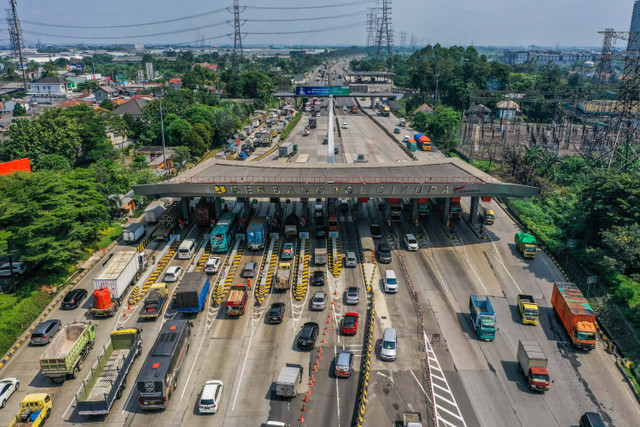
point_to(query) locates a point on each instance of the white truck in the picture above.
(288, 380)
(411, 419)
(122, 269)
(285, 150)
(133, 232)
(320, 256)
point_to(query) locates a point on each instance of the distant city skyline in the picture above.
(464, 22)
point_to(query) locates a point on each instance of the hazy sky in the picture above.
(481, 22)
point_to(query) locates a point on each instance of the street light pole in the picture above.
(164, 152)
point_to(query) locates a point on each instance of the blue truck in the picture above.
(257, 233)
(483, 317)
(192, 293)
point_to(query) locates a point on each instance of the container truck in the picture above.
(526, 244)
(108, 379)
(237, 301)
(487, 216)
(65, 355)
(283, 276)
(155, 300)
(575, 314)
(411, 145)
(34, 410)
(113, 280)
(455, 209)
(285, 150)
(257, 232)
(133, 232)
(153, 212)
(288, 380)
(192, 293)
(533, 363)
(483, 317)
(320, 256)
(528, 309)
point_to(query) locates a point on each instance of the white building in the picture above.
(48, 89)
(8, 106)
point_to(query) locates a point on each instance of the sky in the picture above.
(463, 22)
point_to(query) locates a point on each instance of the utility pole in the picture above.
(237, 36)
(604, 66)
(15, 37)
(384, 33)
(371, 27)
(164, 151)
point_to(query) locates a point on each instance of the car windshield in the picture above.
(206, 402)
(306, 332)
(587, 336)
(318, 298)
(413, 241)
(540, 378)
(353, 291)
(217, 237)
(274, 311)
(350, 321)
(388, 345)
(391, 281)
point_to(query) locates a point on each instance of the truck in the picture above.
(283, 276)
(288, 251)
(306, 131)
(288, 380)
(168, 221)
(203, 213)
(320, 256)
(237, 301)
(192, 293)
(354, 109)
(411, 145)
(285, 150)
(133, 232)
(455, 208)
(487, 216)
(155, 300)
(313, 122)
(107, 380)
(384, 110)
(411, 419)
(423, 141)
(115, 277)
(403, 122)
(526, 244)
(424, 207)
(528, 309)
(483, 317)
(34, 409)
(65, 355)
(575, 314)
(257, 232)
(533, 363)
(396, 209)
(153, 212)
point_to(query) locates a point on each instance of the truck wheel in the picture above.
(74, 374)
(91, 344)
(79, 365)
(119, 393)
(47, 414)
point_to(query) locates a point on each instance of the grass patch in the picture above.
(633, 379)
(17, 313)
(486, 166)
(290, 126)
(108, 235)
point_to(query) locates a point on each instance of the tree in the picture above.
(181, 157)
(19, 110)
(176, 131)
(54, 162)
(444, 126)
(421, 121)
(88, 86)
(50, 70)
(224, 123)
(107, 104)
(256, 85)
(198, 77)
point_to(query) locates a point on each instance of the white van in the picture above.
(390, 281)
(411, 242)
(186, 249)
(389, 348)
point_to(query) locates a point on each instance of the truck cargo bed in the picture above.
(104, 382)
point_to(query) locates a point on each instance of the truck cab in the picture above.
(528, 309)
(34, 410)
(526, 244)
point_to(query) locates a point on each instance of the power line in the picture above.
(15, 34)
(307, 19)
(166, 21)
(311, 7)
(357, 24)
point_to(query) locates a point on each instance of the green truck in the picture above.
(67, 351)
(526, 244)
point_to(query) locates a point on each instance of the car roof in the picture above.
(343, 357)
(383, 247)
(318, 273)
(409, 235)
(310, 324)
(351, 314)
(210, 388)
(320, 294)
(173, 268)
(44, 325)
(250, 264)
(277, 304)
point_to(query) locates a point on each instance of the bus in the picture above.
(158, 377)
(225, 230)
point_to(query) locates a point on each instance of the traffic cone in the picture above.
(249, 284)
(301, 418)
(312, 378)
(324, 341)
(304, 408)
(319, 356)
(128, 306)
(335, 293)
(306, 398)
(320, 350)
(315, 369)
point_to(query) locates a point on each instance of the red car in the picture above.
(350, 324)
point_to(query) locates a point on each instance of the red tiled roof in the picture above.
(175, 81)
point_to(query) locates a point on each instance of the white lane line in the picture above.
(420, 385)
(471, 265)
(244, 365)
(500, 260)
(337, 391)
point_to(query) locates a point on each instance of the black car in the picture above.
(321, 232)
(73, 298)
(376, 231)
(307, 337)
(276, 312)
(318, 278)
(384, 253)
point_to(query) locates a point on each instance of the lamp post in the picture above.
(164, 152)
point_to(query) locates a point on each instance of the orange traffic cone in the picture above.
(319, 356)
(249, 284)
(304, 408)
(306, 397)
(335, 293)
(301, 418)
(320, 350)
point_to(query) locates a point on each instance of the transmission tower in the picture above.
(604, 68)
(372, 28)
(385, 37)
(237, 37)
(403, 38)
(15, 37)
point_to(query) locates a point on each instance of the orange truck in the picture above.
(237, 301)
(575, 313)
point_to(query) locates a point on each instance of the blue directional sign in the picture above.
(322, 91)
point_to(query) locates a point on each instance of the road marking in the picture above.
(244, 364)
(421, 388)
(499, 258)
(470, 264)
(337, 391)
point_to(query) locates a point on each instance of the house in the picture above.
(8, 106)
(423, 108)
(118, 138)
(133, 107)
(125, 203)
(73, 103)
(298, 79)
(154, 157)
(48, 89)
(104, 92)
(481, 112)
(208, 66)
(507, 110)
(175, 84)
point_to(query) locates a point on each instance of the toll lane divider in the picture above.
(165, 259)
(268, 262)
(225, 280)
(335, 257)
(302, 281)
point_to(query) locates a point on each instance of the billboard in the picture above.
(322, 91)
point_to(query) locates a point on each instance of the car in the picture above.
(390, 281)
(210, 397)
(325, 141)
(18, 268)
(7, 387)
(344, 108)
(411, 242)
(73, 298)
(396, 130)
(336, 150)
(350, 324)
(318, 278)
(376, 231)
(345, 125)
(276, 312)
(319, 301)
(352, 295)
(384, 253)
(288, 251)
(307, 336)
(406, 138)
(389, 345)
(343, 362)
(321, 231)
(591, 419)
(212, 265)
(351, 260)
(249, 270)
(45, 331)
(173, 273)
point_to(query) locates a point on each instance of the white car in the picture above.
(173, 274)
(212, 265)
(345, 125)
(411, 242)
(210, 397)
(7, 387)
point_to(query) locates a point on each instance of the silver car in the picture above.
(45, 331)
(351, 260)
(319, 301)
(353, 295)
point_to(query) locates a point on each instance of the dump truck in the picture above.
(283, 276)
(67, 351)
(108, 379)
(483, 317)
(237, 301)
(192, 293)
(487, 216)
(423, 141)
(574, 312)
(533, 363)
(111, 283)
(411, 419)
(528, 309)
(526, 244)
(320, 256)
(155, 300)
(34, 410)
(133, 232)
(285, 150)
(168, 220)
(288, 251)
(288, 380)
